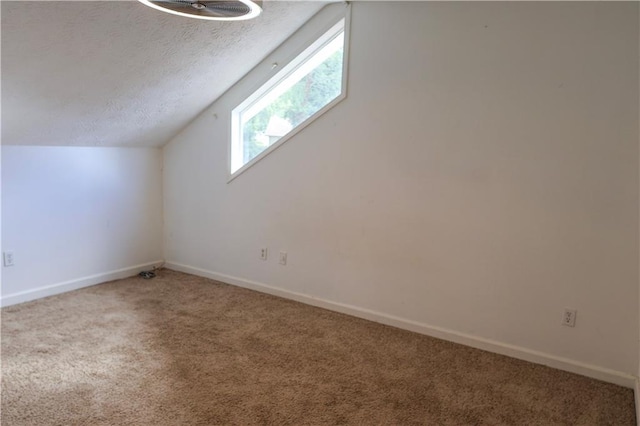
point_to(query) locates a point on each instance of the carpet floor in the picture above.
(185, 350)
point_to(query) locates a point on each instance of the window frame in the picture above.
(337, 24)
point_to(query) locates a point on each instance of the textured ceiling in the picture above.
(120, 73)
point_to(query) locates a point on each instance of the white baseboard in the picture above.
(63, 287)
(513, 351)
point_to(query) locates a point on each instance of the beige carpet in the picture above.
(184, 350)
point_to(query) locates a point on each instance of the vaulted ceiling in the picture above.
(118, 73)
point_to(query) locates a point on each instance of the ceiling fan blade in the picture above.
(222, 9)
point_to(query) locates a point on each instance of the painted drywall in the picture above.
(77, 216)
(481, 176)
(637, 380)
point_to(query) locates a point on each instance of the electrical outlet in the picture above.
(263, 253)
(8, 258)
(569, 317)
(283, 257)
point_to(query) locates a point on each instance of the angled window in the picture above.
(300, 92)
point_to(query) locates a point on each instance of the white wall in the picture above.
(481, 176)
(637, 383)
(78, 216)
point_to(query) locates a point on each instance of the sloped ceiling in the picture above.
(119, 73)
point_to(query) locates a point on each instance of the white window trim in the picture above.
(314, 44)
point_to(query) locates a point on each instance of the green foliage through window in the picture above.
(300, 102)
(290, 98)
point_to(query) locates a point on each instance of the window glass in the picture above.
(290, 99)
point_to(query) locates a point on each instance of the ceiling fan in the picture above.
(231, 10)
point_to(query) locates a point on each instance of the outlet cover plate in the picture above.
(569, 317)
(7, 258)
